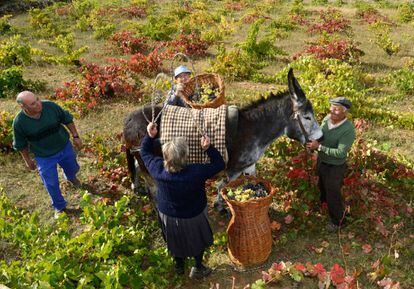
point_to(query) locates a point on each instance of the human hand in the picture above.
(179, 88)
(312, 145)
(30, 164)
(78, 143)
(152, 129)
(205, 142)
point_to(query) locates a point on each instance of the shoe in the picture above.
(76, 183)
(59, 213)
(199, 273)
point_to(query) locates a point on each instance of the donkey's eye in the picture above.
(307, 118)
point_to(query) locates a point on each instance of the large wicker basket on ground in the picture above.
(249, 232)
(212, 80)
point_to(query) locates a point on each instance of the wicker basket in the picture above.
(212, 80)
(249, 232)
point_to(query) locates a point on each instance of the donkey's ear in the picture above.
(296, 92)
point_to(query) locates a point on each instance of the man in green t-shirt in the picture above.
(338, 137)
(40, 128)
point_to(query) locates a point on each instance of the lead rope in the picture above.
(296, 116)
(155, 97)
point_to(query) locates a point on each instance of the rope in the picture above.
(200, 127)
(154, 96)
(296, 116)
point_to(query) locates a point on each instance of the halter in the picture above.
(296, 115)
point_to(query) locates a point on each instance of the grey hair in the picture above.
(175, 154)
(19, 100)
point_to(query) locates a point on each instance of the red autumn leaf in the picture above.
(298, 173)
(289, 219)
(297, 159)
(342, 286)
(367, 248)
(275, 226)
(278, 266)
(310, 268)
(349, 280)
(376, 264)
(337, 274)
(300, 267)
(265, 276)
(320, 270)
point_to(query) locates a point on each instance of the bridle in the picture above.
(296, 115)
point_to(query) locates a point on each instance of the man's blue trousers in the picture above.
(47, 167)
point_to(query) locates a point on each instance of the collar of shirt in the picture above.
(332, 126)
(32, 116)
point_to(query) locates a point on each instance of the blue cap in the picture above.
(341, 101)
(181, 69)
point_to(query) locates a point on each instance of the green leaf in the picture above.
(296, 274)
(259, 284)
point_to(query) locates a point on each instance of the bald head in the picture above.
(29, 102)
(25, 97)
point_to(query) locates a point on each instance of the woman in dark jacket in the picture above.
(181, 198)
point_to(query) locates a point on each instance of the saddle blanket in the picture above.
(186, 122)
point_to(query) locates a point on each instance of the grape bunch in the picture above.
(205, 94)
(247, 192)
(259, 189)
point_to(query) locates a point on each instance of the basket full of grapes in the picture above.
(204, 90)
(247, 191)
(249, 232)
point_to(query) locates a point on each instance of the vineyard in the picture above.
(98, 59)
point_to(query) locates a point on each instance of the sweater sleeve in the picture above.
(64, 116)
(19, 139)
(153, 163)
(344, 145)
(216, 163)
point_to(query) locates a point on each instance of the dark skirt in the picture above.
(186, 237)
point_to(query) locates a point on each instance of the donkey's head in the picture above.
(302, 125)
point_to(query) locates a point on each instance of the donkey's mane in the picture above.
(260, 107)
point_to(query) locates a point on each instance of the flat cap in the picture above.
(341, 101)
(181, 69)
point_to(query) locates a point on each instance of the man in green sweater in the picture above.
(338, 137)
(39, 128)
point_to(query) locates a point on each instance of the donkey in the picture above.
(258, 125)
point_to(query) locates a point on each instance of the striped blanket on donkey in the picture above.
(177, 122)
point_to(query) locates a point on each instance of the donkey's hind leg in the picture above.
(138, 183)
